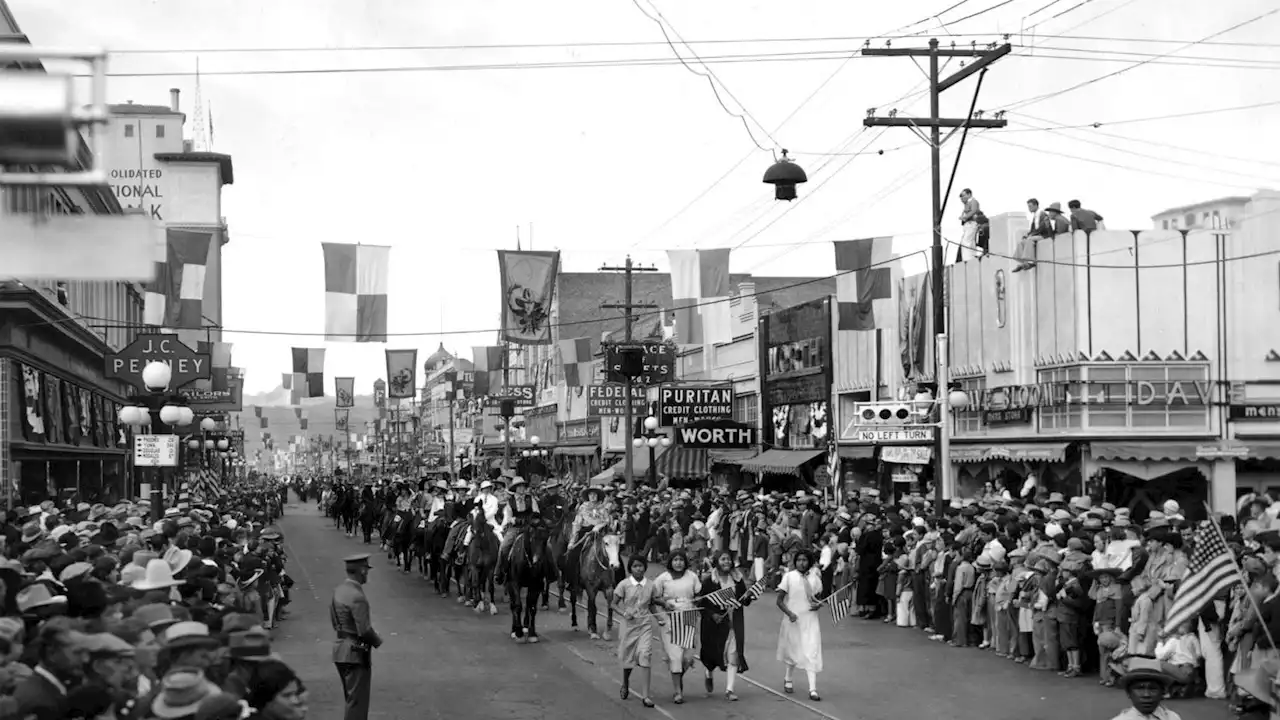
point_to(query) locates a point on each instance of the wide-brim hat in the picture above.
(1140, 668)
(181, 693)
(486, 485)
(1257, 681)
(599, 491)
(157, 576)
(517, 481)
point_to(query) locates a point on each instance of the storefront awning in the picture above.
(639, 466)
(1259, 450)
(685, 463)
(730, 457)
(1146, 451)
(575, 451)
(857, 452)
(1016, 452)
(781, 462)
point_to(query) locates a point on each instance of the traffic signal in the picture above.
(886, 413)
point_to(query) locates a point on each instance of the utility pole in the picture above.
(937, 85)
(627, 307)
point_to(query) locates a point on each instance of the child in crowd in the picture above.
(1142, 634)
(1106, 621)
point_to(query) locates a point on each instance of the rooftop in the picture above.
(1229, 200)
(223, 160)
(132, 109)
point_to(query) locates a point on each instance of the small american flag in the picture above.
(724, 599)
(1212, 569)
(754, 592)
(684, 629)
(841, 603)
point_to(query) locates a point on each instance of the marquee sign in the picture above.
(1124, 392)
(716, 434)
(186, 365)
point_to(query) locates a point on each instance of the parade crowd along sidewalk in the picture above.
(107, 614)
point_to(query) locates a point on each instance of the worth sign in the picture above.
(717, 434)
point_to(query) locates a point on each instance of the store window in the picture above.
(971, 420)
(1063, 417)
(746, 409)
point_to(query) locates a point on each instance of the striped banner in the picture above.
(206, 485)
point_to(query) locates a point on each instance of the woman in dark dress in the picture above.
(723, 626)
(870, 550)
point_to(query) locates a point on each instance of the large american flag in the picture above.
(684, 629)
(1212, 569)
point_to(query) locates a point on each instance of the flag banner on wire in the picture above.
(1211, 570)
(356, 283)
(724, 599)
(528, 285)
(402, 373)
(310, 363)
(257, 411)
(344, 390)
(302, 423)
(575, 357)
(175, 298)
(487, 378)
(453, 389)
(340, 420)
(684, 629)
(700, 293)
(262, 422)
(864, 283)
(841, 602)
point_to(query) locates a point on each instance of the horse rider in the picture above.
(518, 511)
(487, 504)
(593, 514)
(404, 497)
(435, 506)
(353, 651)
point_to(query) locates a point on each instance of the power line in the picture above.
(1131, 53)
(1154, 118)
(1058, 93)
(1172, 62)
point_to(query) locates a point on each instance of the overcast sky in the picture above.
(443, 165)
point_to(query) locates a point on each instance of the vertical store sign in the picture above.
(795, 362)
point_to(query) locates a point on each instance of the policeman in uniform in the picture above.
(353, 650)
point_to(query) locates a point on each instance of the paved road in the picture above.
(442, 660)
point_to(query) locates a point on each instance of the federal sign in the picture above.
(521, 395)
(716, 434)
(611, 400)
(155, 450)
(881, 436)
(684, 404)
(186, 364)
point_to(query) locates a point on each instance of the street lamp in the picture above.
(169, 409)
(651, 438)
(784, 175)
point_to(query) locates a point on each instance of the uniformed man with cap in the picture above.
(353, 649)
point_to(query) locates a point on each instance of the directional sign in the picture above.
(187, 364)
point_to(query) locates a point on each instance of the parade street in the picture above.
(443, 660)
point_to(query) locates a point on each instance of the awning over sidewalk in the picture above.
(686, 463)
(857, 452)
(781, 462)
(575, 451)
(1155, 451)
(1016, 452)
(639, 466)
(731, 457)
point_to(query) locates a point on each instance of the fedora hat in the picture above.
(157, 576)
(1141, 668)
(517, 481)
(177, 559)
(188, 633)
(253, 645)
(156, 616)
(38, 595)
(181, 692)
(30, 532)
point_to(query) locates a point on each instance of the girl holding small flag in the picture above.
(634, 599)
(723, 625)
(676, 588)
(800, 637)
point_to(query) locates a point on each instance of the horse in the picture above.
(368, 515)
(435, 544)
(597, 567)
(529, 568)
(454, 556)
(482, 560)
(558, 544)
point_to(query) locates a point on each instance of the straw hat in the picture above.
(1140, 668)
(181, 692)
(189, 633)
(157, 576)
(37, 595)
(1257, 681)
(177, 559)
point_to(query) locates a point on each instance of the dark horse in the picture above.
(558, 544)
(435, 548)
(596, 567)
(482, 560)
(529, 569)
(368, 518)
(399, 537)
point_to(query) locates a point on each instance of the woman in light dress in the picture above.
(676, 588)
(634, 598)
(800, 637)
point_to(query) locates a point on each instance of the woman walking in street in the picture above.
(634, 599)
(677, 587)
(723, 624)
(800, 637)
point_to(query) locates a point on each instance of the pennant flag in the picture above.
(310, 362)
(297, 413)
(175, 297)
(864, 283)
(340, 420)
(528, 285)
(487, 375)
(355, 292)
(1212, 569)
(380, 394)
(262, 422)
(257, 411)
(402, 373)
(700, 291)
(841, 604)
(302, 423)
(345, 392)
(452, 388)
(684, 629)
(575, 354)
(724, 599)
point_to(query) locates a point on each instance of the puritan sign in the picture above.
(717, 434)
(677, 404)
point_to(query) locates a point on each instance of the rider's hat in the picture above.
(516, 482)
(440, 485)
(599, 491)
(486, 485)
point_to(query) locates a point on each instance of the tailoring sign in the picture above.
(684, 404)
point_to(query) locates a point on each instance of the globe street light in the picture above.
(156, 376)
(156, 403)
(652, 438)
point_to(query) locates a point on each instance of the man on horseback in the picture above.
(593, 514)
(487, 504)
(517, 512)
(435, 505)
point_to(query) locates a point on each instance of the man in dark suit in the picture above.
(62, 657)
(353, 650)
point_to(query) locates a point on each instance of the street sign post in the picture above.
(155, 450)
(186, 364)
